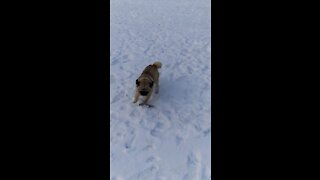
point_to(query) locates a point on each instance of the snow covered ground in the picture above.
(171, 141)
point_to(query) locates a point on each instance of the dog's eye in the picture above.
(137, 82)
(151, 84)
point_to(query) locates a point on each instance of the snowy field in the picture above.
(171, 141)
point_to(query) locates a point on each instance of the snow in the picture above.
(171, 141)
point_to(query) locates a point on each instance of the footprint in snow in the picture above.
(194, 167)
(114, 62)
(179, 139)
(129, 144)
(148, 147)
(148, 173)
(152, 159)
(189, 70)
(206, 132)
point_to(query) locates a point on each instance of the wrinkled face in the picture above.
(144, 86)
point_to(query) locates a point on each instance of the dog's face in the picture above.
(144, 86)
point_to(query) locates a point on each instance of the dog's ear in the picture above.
(137, 82)
(151, 84)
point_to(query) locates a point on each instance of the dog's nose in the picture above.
(143, 93)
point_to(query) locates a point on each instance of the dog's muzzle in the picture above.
(143, 93)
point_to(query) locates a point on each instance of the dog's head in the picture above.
(144, 86)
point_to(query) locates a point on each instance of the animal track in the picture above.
(194, 167)
(178, 140)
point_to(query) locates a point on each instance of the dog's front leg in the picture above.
(136, 97)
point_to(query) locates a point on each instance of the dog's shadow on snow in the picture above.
(178, 90)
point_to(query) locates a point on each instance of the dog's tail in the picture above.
(158, 64)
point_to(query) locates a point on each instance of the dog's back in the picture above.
(153, 68)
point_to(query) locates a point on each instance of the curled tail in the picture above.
(158, 64)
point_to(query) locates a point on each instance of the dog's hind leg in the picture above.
(157, 86)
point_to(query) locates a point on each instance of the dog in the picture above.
(146, 82)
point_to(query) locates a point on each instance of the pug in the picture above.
(146, 82)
